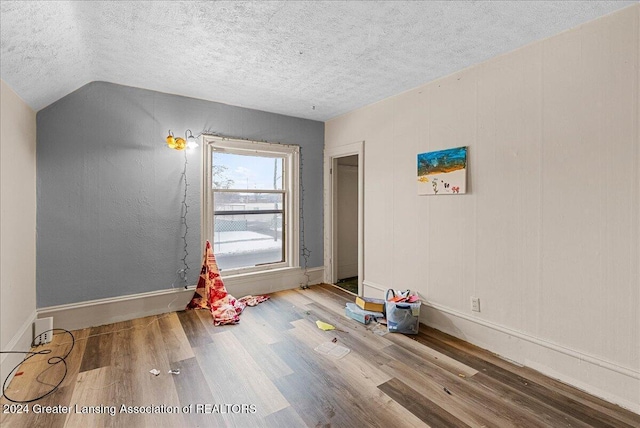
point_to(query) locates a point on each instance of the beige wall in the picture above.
(547, 236)
(18, 225)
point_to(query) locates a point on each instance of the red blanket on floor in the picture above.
(211, 293)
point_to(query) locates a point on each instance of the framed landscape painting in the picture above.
(443, 172)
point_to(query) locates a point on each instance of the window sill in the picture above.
(272, 281)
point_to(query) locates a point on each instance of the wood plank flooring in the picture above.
(264, 372)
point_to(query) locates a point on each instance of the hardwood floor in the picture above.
(264, 372)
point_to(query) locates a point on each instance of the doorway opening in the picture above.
(345, 175)
(344, 214)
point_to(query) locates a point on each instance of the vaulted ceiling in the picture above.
(307, 59)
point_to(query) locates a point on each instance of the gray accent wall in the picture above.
(109, 191)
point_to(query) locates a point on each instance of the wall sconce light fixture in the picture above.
(175, 143)
(192, 142)
(178, 143)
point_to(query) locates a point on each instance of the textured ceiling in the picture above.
(283, 57)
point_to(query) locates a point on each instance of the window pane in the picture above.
(231, 171)
(236, 201)
(247, 240)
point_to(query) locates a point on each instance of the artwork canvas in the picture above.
(443, 172)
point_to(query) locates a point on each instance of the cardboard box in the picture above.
(370, 304)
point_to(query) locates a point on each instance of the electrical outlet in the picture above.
(42, 331)
(475, 304)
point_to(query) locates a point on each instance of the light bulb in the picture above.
(171, 141)
(192, 142)
(180, 144)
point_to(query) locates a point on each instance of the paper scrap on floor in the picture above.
(380, 329)
(332, 349)
(324, 326)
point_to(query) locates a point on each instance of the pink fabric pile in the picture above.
(211, 294)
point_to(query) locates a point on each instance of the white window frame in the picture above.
(290, 167)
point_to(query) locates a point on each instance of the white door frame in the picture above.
(330, 213)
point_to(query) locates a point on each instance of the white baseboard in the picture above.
(605, 379)
(105, 311)
(21, 341)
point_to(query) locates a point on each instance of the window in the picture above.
(250, 207)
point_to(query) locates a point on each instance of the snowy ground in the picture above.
(245, 248)
(243, 241)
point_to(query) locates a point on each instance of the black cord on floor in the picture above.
(52, 362)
